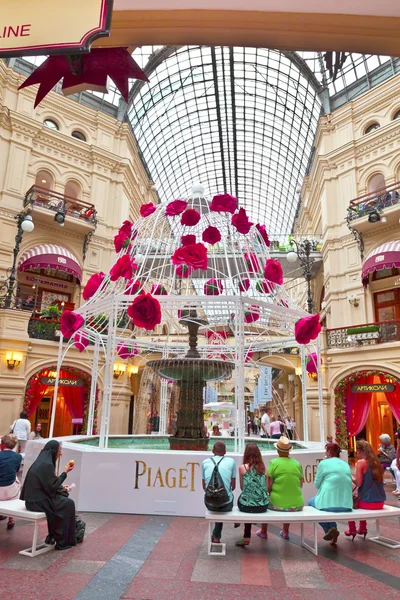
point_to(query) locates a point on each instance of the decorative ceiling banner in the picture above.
(25, 26)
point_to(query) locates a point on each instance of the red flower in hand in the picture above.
(244, 284)
(241, 221)
(183, 271)
(126, 350)
(252, 263)
(81, 341)
(273, 271)
(145, 312)
(190, 217)
(132, 287)
(211, 235)
(252, 314)
(307, 329)
(93, 284)
(223, 203)
(188, 239)
(193, 255)
(147, 209)
(263, 233)
(123, 268)
(213, 287)
(158, 290)
(70, 322)
(175, 208)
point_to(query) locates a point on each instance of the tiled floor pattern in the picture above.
(165, 558)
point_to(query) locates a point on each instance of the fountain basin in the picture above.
(195, 369)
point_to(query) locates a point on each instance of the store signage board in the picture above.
(368, 388)
(62, 381)
(52, 26)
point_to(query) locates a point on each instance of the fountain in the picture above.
(192, 372)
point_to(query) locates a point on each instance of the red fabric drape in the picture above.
(393, 399)
(74, 399)
(357, 407)
(38, 389)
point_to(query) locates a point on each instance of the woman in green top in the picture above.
(335, 494)
(253, 483)
(285, 480)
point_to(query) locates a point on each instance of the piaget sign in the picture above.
(52, 26)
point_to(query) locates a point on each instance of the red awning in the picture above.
(50, 256)
(385, 256)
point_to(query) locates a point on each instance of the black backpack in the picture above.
(216, 495)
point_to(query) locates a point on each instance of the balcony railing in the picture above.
(363, 335)
(44, 329)
(374, 201)
(53, 201)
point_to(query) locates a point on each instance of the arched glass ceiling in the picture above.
(240, 120)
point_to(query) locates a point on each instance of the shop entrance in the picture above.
(72, 400)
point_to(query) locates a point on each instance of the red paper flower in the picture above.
(121, 240)
(81, 341)
(145, 312)
(93, 284)
(307, 329)
(263, 233)
(126, 350)
(190, 217)
(213, 287)
(241, 221)
(244, 284)
(70, 322)
(88, 71)
(175, 208)
(311, 365)
(264, 287)
(188, 239)
(211, 235)
(248, 356)
(183, 271)
(216, 335)
(132, 287)
(223, 203)
(273, 271)
(252, 314)
(192, 255)
(147, 209)
(158, 290)
(124, 267)
(252, 263)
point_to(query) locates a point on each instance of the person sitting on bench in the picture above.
(10, 463)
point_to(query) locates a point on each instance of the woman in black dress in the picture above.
(43, 491)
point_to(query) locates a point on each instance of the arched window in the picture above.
(73, 190)
(51, 124)
(377, 182)
(44, 179)
(371, 127)
(396, 115)
(79, 135)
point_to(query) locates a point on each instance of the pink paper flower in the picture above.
(223, 203)
(264, 287)
(211, 235)
(70, 322)
(244, 284)
(81, 341)
(188, 239)
(158, 290)
(122, 239)
(192, 255)
(311, 366)
(252, 263)
(147, 209)
(126, 350)
(273, 271)
(307, 329)
(263, 233)
(252, 314)
(190, 217)
(124, 267)
(145, 312)
(183, 271)
(213, 287)
(92, 285)
(241, 221)
(132, 287)
(248, 356)
(175, 208)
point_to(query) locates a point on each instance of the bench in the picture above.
(17, 509)
(308, 515)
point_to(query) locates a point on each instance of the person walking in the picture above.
(227, 471)
(21, 428)
(369, 480)
(266, 423)
(276, 428)
(334, 485)
(256, 425)
(253, 483)
(290, 425)
(285, 480)
(10, 464)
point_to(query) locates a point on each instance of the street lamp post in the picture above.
(24, 224)
(302, 251)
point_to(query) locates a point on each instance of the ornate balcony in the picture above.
(363, 335)
(374, 202)
(49, 201)
(44, 329)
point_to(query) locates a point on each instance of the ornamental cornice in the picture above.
(378, 142)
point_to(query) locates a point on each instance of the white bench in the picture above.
(307, 515)
(17, 509)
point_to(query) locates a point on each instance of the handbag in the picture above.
(357, 498)
(80, 528)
